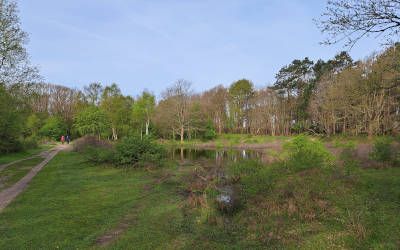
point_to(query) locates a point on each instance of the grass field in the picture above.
(7, 158)
(72, 204)
(15, 172)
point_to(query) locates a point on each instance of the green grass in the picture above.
(233, 140)
(71, 203)
(230, 140)
(7, 158)
(15, 172)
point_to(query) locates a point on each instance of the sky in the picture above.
(149, 44)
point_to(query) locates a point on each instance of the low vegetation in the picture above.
(15, 172)
(304, 152)
(8, 158)
(138, 151)
(320, 206)
(129, 152)
(385, 151)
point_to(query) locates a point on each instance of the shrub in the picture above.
(10, 145)
(350, 164)
(209, 133)
(254, 177)
(304, 152)
(11, 121)
(382, 150)
(81, 144)
(100, 155)
(136, 151)
(30, 142)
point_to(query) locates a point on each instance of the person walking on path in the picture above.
(62, 139)
(68, 139)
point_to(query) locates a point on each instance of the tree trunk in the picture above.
(114, 134)
(182, 133)
(147, 127)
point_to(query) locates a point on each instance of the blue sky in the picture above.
(149, 44)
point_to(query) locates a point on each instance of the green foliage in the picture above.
(91, 121)
(53, 128)
(254, 177)
(33, 125)
(350, 164)
(298, 127)
(305, 152)
(10, 123)
(30, 142)
(382, 150)
(99, 155)
(240, 93)
(209, 133)
(117, 109)
(136, 151)
(142, 110)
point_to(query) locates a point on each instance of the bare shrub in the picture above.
(85, 142)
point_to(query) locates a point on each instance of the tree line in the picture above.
(337, 96)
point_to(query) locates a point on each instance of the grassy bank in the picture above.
(228, 140)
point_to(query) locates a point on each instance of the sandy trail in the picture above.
(9, 194)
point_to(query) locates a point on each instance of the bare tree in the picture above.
(180, 94)
(215, 103)
(93, 92)
(351, 20)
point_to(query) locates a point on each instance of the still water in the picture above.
(218, 156)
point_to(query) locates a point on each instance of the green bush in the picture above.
(10, 145)
(30, 142)
(253, 176)
(382, 150)
(209, 133)
(11, 121)
(53, 128)
(99, 155)
(304, 152)
(136, 151)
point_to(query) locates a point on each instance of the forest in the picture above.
(337, 96)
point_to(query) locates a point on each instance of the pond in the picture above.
(218, 156)
(208, 169)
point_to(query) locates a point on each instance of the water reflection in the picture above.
(219, 156)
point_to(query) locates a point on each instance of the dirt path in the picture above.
(9, 194)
